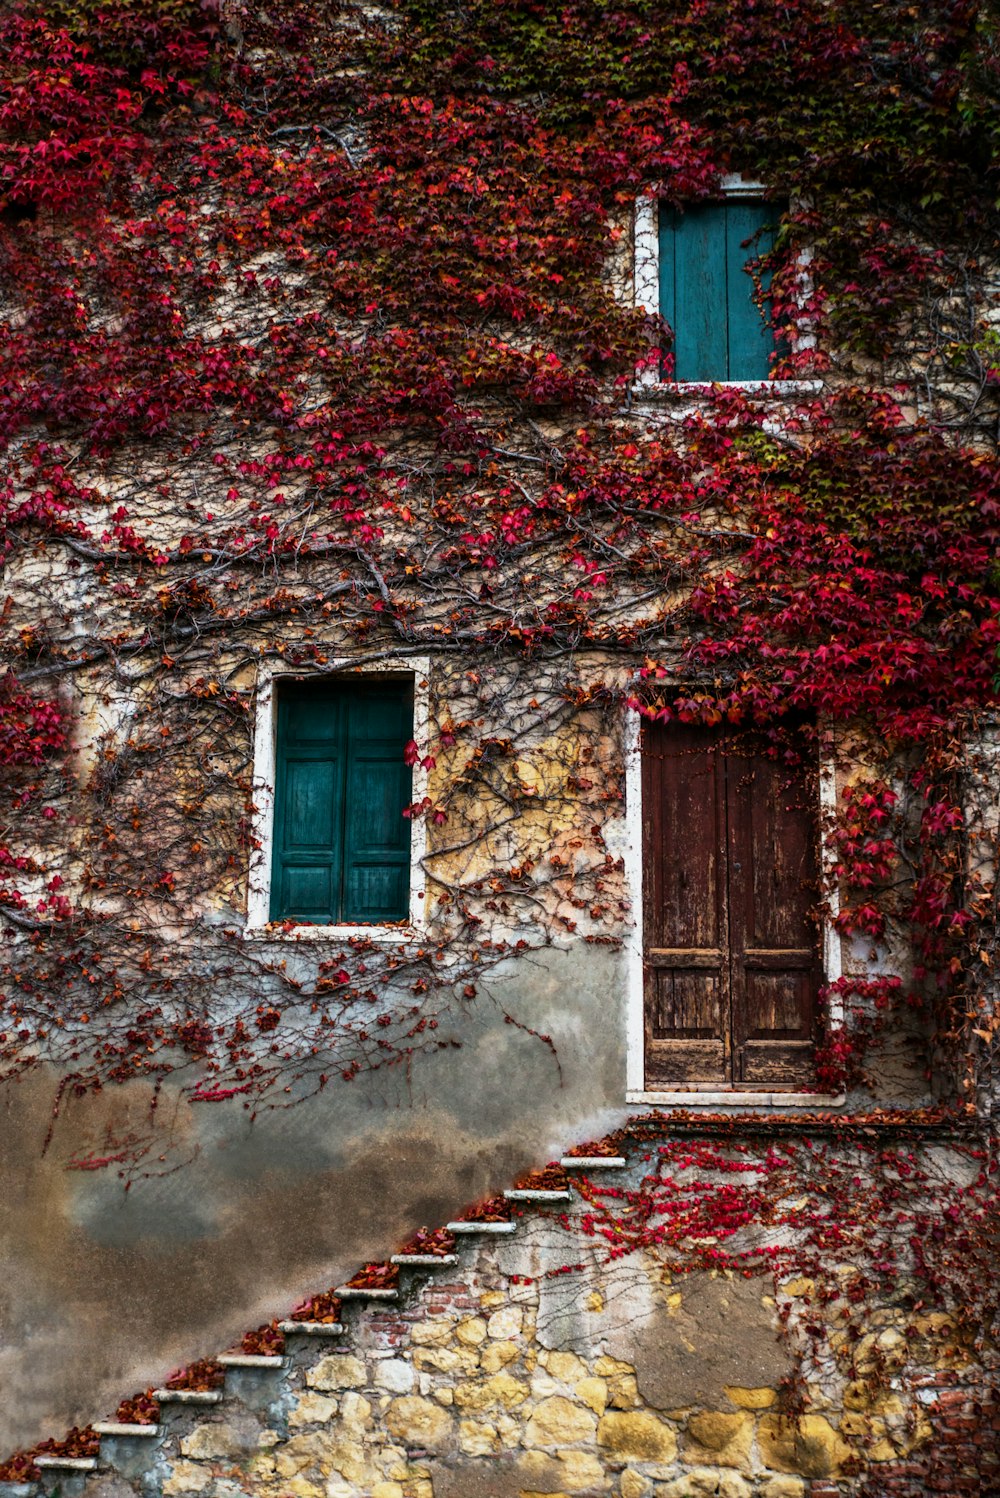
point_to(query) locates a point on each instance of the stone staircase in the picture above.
(257, 1377)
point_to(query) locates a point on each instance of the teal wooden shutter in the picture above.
(341, 842)
(706, 295)
(378, 786)
(751, 341)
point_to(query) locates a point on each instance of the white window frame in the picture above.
(708, 1095)
(646, 294)
(258, 923)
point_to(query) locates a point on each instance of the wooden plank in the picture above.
(750, 340)
(773, 890)
(684, 917)
(700, 342)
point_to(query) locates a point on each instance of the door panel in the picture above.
(730, 881)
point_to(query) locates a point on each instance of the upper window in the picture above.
(707, 291)
(341, 847)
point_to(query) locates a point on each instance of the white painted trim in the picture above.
(635, 1027)
(635, 1042)
(264, 754)
(646, 294)
(699, 1098)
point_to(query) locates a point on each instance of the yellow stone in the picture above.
(355, 1412)
(751, 1399)
(633, 1484)
(808, 1445)
(565, 1366)
(675, 1301)
(500, 1389)
(559, 1422)
(607, 1367)
(471, 1331)
(212, 1443)
(445, 1396)
(716, 1437)
(595, 1301)
(506, 1323)
(637, 1434)
(623, 1392)
(445, 1360)
(338, 1371)
(498, 1355)
(572, 1472)
(313, 1409)
(704, 1482)
(387, 1490)
(594, 1393)
(476, 1439)
(305, 1453)
(418, 1422)
(185, 1477)
(431, 1333)
(491, 1299)
(800, 1286)
(783, 1487)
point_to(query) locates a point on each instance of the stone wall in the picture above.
(543, 1361)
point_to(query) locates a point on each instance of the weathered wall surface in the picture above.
(105, 1290)
(543, 1363)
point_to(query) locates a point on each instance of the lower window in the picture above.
(341, 851)
(730, 885)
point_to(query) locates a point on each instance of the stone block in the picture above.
(783, 1487)
(310, 1454)
(186, 1477)
(338, 1371)
(471, 1331)
(571, 1472)
(497, 1355)
(808, 1446)
(505, 1323)
(218, 1442)
(751, 1399)
(567, 1367)
(637, 1435)
(312, 1409)
(705, 1482)
(633, 1484)
(419, 1422)
(478, 1439)
(445, 1360)
(559, 1422)
(431, 1333)
(593, 1392)
(500, 1390)
(394, 1374)
(716, 1437)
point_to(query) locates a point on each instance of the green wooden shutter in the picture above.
(751, 341)
(341, 842)
(378, 786)
(706, 295)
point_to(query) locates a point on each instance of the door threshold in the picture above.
(730, 1098)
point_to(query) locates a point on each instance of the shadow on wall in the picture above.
(106, 1291)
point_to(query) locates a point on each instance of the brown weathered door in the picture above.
(729, 883)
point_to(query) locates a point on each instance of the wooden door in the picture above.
(729, 884)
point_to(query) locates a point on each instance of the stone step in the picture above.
(593, 1162)
(124, 1428)
(362, 1292)
(529, 1194)
(482, 1227)
(250, 1360)
(312, 1328)
(67, 1463)
(423, 1261)
(188, 1396)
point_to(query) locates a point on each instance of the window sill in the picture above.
(720, 1098)
(275, 931)
(655, 389)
